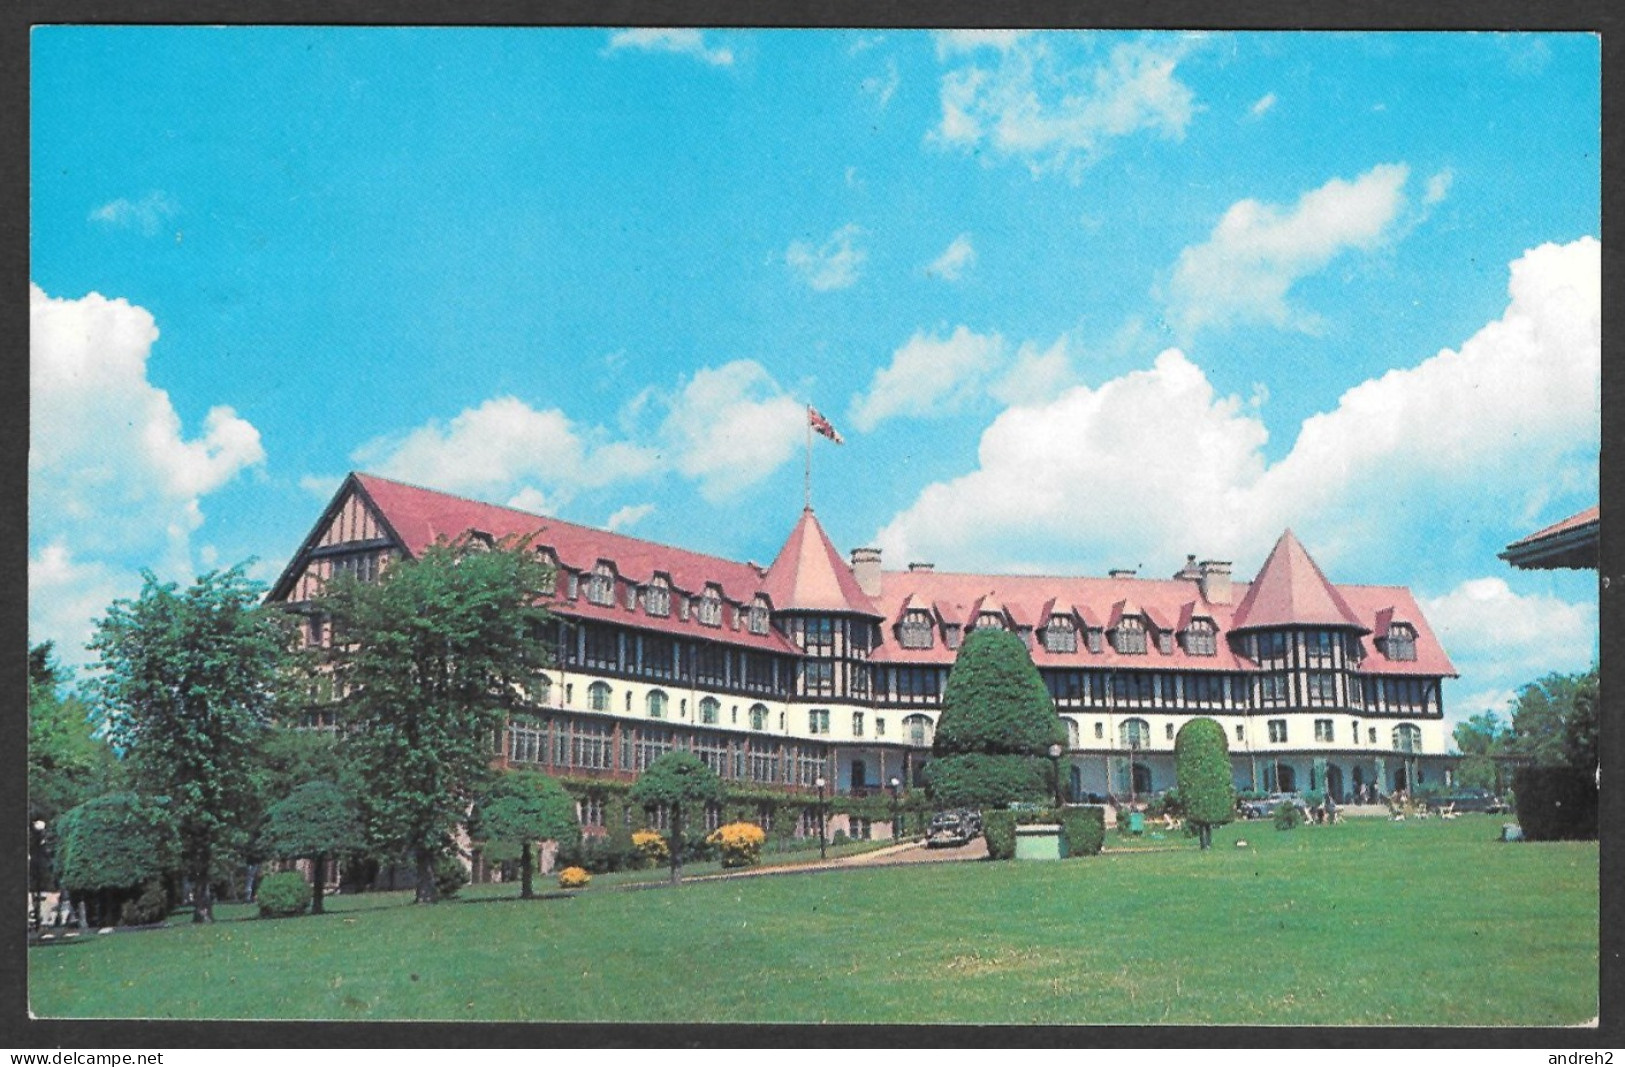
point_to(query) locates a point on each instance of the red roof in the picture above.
(1290, 590)
(809, 575)
(1591, 514)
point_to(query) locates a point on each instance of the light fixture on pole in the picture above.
(36, 861)
(1055, 769)
(894, 785)
(820, 784)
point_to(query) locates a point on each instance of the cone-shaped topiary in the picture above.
(1202, 766)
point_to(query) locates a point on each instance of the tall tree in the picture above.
(997, 725)
(67, 763)
(523, 807)
(317, 818)
(432, 656)
(1202, 769)
(189, 681)
(1481, 740)
(1542, 718)
(681, 781)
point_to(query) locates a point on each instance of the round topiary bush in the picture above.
(574, 878)
(652, 847)
(151, 907)
(284, 895)
(739, 843)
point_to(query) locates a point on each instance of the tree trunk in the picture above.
(526, 889)
(676, 840)
(318, 880)
(202, 893)
(427, 891)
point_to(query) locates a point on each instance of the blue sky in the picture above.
(1076, 300)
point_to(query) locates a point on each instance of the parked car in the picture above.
(952, 828)
(1469, 800)
(1265, 807)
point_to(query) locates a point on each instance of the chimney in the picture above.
(1189, 572)
(917, 567)
(866, 569)
(1124, 572)
(1215, 581)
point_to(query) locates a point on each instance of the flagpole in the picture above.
(806, 468)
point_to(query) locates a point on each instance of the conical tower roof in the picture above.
(809, 575)
(1290, 590)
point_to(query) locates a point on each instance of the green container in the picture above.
(1136, 822)
(1041, 841)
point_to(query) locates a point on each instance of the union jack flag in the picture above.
(822, 425)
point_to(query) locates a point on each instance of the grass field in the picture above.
(1367, 922)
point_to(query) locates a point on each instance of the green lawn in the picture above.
(1367, 922)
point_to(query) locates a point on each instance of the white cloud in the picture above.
(112, 477)
(833, 265)
(321, 486)
(1263, 105)
(955, 259)
(1154, 464)
(1029, 104)
(66, 597)
(882, 88)
(1483, 619)
(147, 215)
(929, 376)
(1438, 187)
(629, 516)
(679, 42)
(1036, 377)
(1244, 270)
(729, 427)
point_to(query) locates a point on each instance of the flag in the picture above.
(822, 425)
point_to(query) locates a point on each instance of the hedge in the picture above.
(999, 828)
(1085, 830)
(284, 895)
(1556, 803)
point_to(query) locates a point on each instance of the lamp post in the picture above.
(1133, 758)
(894, 784)
(820, 784)
(1055, 768)
(35, 858)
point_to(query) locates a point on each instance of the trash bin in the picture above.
(1136, 822)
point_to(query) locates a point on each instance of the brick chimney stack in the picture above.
(1215, 581)
(866, 569)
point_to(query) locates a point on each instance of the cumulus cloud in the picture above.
(1244, 270)
(1019, 97)
(1438, 187)
(1524, 636)
(146, 215)
(834, 264)
(1262, 105)
(731, 426)
(928, 376)
(1155, 463)
(112, 474)
(955, 259)
(1035, 376)
(882, 87)
(629, 516)
(678, 42)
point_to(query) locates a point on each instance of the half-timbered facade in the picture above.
(822, 667)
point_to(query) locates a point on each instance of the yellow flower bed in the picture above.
(740, 843)
(652, 845)
(574, 878)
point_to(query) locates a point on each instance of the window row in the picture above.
(613, 649)
(603, 587)
(565, 744)
(1061, 634)
(1405, 737)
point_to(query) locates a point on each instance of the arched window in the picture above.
(758, 615)
(656, 703)
(711, 607)
(601, 586)
(917, 728)
(758, 716)
(915, 629)
(1136, 733)
(1072, 741)
(657, 598)
(989, 620)
(1128, 638)
(1407, 737)
(709, 709)
(1061, 635)
(598, 695)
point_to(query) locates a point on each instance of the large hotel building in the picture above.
(822, 666)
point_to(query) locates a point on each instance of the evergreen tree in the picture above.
(1202, 769)
(679, 780)
(520, 808)
(1554, 721)
(190, 679)
(314, 820)
(997, 725)
(431, 657)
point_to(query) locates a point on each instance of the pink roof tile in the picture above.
(1290, 590)
(809, 575)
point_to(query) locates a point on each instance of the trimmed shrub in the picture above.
(573, 878)
(652, 847)
(1288, 817)
(449, 876)
(284, 895)
(978, 780)
(999, 828)
(1202, 766)
(1085, 830)
(1556, 803)
(152, 906)
(838, 837)
(739, 843)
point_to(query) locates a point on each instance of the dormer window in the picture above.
(657, 598)
(915, 629)
(758, 615)
(550, 580)
(1401, 643)
(1091, 638)
(1061, 635)
(1202, 638)
(1129, 636)
(952, 634)
(601, 585)
(989, 620)
(710, 610)
(1165, 642)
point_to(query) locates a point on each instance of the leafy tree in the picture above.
(1481, 739)
(113, 844)
(677, 780)
(1202, 767)
(996, 727)
(315, 819)
(67, 764)
(432, 656)
(520, 808)
(189, 682)
(1542, 716)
